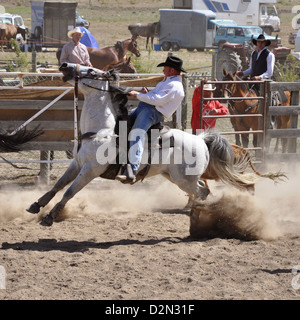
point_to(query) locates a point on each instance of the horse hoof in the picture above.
(34, 208)
(47, 221)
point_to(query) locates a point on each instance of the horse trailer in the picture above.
(262, 13)
(50, 23)
(189, 29)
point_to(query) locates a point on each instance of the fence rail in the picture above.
(56, 115)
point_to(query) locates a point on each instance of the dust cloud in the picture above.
(268, 214)
(100, 197)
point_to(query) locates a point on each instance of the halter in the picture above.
(249, 108)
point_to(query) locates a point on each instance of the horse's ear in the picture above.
(225, 73)
(128, 60)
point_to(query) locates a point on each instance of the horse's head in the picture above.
(70, 70)
(133, 47)
(228, 88)
(126, 66)
(219, 90)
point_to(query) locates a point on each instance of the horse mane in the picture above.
(242, 86)
(120, 48)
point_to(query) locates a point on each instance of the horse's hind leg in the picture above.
(67, 177)
(191, 184)
(83, 178)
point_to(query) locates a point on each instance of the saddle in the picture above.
(120, 98)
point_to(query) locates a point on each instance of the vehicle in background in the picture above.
(50, 23)
(14, 19)
(189, 29)
(260, 13)
(239, 34)
(81, 22)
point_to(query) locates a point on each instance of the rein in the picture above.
(76, 129)
(249, 108)
(99, 89)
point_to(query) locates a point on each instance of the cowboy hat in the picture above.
(173, 62)
(208, 87)
(261, 38)
(76, 30)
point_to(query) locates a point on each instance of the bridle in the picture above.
(230, 91)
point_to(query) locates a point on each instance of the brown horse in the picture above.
(9, 31)
(250, 107)
(144, 30)
(102, 58)
(241, 108)
(123, 66)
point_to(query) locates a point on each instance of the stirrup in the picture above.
(128, 176)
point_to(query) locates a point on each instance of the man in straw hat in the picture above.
(160, 102)
(75, 51)
(210, 108)
(262, 61)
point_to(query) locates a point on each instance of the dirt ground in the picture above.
(133, 242)
(118, 242)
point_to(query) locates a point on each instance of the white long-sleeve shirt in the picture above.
(270, 66)
(166, 96)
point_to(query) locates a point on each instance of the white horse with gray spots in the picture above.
(183, 163)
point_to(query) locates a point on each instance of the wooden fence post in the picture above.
(184, 104)
(45, 167)
(292, 142)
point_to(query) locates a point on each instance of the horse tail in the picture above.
(223, 163)
(12, 143)
(241, 154)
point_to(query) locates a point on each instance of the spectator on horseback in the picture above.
(210, 108)
(261, 67)
(262, 61)
(160, 102)
(75, 51)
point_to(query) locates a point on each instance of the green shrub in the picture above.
(20, 61)
(290, 70)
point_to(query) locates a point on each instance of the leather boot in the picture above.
(128, 175)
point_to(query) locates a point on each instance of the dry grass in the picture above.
(110, 19)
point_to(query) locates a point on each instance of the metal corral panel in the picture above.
(189, 28)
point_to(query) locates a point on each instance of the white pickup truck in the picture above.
(14, 19)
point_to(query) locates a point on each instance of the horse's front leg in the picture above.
(255, 140)
(237, 136)
(245, 139)
(83, 178)
(67, 177)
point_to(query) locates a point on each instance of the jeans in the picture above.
(144, 117)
